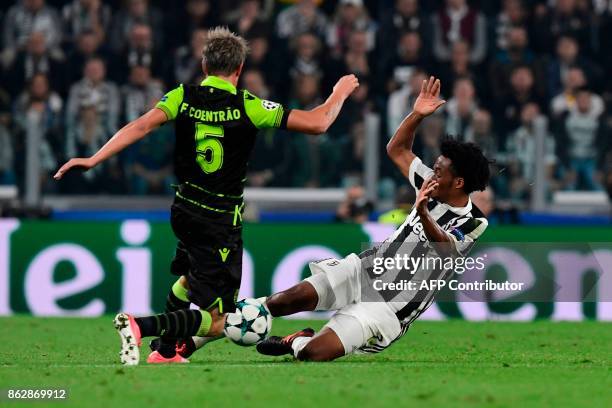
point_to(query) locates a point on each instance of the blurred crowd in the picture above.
(73, 72)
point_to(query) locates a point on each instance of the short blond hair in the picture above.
(224, 51)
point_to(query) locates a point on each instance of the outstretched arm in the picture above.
(319, 119)
(399, 147)
(129, 134)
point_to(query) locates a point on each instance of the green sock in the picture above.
(205, 324)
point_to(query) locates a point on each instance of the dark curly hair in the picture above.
(468, 162)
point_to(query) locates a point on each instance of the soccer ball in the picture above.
(250, 324)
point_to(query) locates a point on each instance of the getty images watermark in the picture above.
(431, 265)
(516, 272)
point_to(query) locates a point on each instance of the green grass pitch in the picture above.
(445, 364)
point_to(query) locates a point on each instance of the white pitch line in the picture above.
(216, 365)
(279, 364)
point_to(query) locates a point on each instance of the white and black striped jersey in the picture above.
(464, 225)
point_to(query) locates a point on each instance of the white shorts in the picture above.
(361, 326)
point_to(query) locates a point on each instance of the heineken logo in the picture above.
(91, 269)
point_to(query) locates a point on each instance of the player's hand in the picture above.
(346, 85)
(424, 195)
(429, 100)
(76, 163)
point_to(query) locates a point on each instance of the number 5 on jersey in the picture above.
(208, 147)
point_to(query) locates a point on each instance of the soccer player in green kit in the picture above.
(216, 125)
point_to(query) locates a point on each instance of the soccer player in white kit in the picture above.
(443, 221)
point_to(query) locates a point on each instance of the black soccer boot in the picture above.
(278, 346)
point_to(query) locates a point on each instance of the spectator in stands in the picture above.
(564, 18)
(80, 16)
(404, 17)
(357, 59)
(188, 59)
(517, 48)
(522, 92)
(516, 53)
(566, 100)
(567, 57)
(480, 132)
(34, 59)
(461, 107)
(137, 12)
(84, 139)
(353, 156)
(195, 15)
(457, 21)
(87, 47)
(140, 94)
(305, 151)
(307, 49)
(512, 14)
(254, 81)
(351, 15)
(522, 157)
(94, 90)
(306, 91)
(430, 136)
(39, 97)
(249, 20)
(139, 50)
(401, 65)
(355, 208)
(401, 101)
(150, 166)
(460, 66)
(273, 67)
(24, 18)
(38, 110)
(148, 163)
(353, 111)
(88, 134)
(582, 138)
(316, 162)
(300, 18)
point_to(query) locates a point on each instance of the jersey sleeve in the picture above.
(171, 102)
(417, 173)
(466, 232)
(265, 114)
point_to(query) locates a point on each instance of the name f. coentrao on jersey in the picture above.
(216, 126)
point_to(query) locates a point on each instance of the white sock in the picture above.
(202, 341)
(298, 344)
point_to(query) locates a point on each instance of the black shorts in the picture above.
(209, 255)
